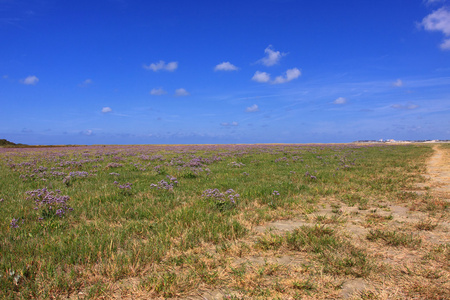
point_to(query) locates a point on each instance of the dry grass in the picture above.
(358, 236)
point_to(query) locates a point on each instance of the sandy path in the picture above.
(439, 170)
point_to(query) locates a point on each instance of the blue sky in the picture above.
(266, 71)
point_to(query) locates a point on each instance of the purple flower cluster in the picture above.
(114, 165)
(307, 174)
(281, 159)
(78, 174)
(56, 173)
(51, 202)
(165, 185)
(216, 195)
(158, 169)
(14, 223)
(126, 186)
(276, 193)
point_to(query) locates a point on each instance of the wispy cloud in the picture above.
(340, 100)
(439, 20)
(30, 80)
(398, 83)
(181, 92)
(157, 92)
(161, 65)
(253, 108)
(272, 57)
(87, 132)
(226, 66)
(229, 124)
(431, 2)
(86, 83)
(106, 110)
(407, 106)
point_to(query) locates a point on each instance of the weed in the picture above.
(270, 242)
(426, 225)
(393, 238)
(306, 285)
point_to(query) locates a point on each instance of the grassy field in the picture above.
(190, 221)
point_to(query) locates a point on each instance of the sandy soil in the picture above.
(439, 171)
(404, 216)
(403, 266)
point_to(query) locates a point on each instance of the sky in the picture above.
(223, 71)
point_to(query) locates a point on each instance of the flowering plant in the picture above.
(223, 201)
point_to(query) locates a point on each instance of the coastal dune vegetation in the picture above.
(156, 221)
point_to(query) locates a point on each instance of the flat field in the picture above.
(367, 221)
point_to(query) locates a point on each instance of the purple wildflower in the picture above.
(48, 200)
(14, 223)
(216, 195)
(126, 186)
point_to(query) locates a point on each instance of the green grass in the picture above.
(393, 238)
(114, 234)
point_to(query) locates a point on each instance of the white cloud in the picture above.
(157, 92)
(30, 80)
(225, 66)
(87, 132)
(261, 77)
(445, 44)
(253, 108)
(86, 83)
(405, 106)
(272, 57)
(430, 2)
(106, 110)
(398, 83)
(229, 124)
(340, 100)
(439, 20)
(181, 92)
(290, 74)
(172, 66)
(161, 65)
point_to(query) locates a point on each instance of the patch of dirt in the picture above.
(352, 288)
(438, 170)
(281, 226)
(259, 260)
